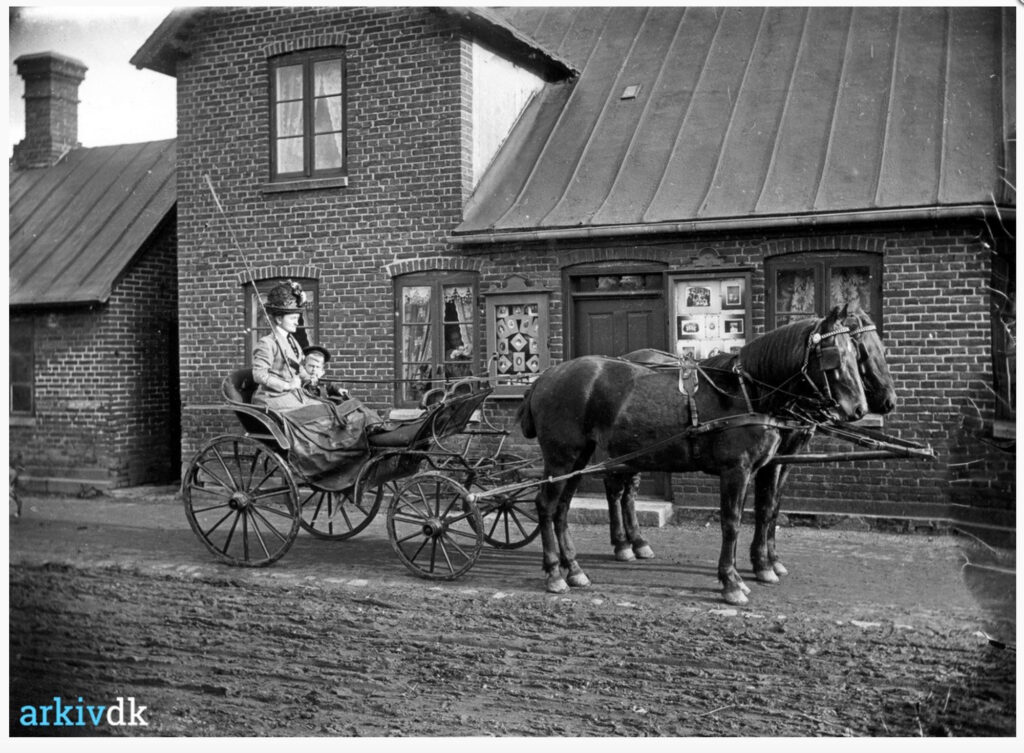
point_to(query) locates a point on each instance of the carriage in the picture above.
(247, 501)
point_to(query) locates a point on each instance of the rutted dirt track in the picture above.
(342, 642)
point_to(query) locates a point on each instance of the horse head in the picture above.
(874, 371)
(832, 351)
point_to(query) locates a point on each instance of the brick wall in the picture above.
(105, 383)
(405, 114)
(937, 330)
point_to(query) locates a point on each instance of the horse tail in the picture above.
(524, 416)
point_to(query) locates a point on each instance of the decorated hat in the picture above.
(318, 349)
(286, 298)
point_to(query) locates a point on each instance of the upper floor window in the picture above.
(307, 106)
(810, 284)
(256, 324)
(22, 351)
(436, 333)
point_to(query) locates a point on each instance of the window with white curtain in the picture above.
(810, 284)
(307, 114)
(436, 332)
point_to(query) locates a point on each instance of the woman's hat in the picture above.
(286, 298)
(318, 349)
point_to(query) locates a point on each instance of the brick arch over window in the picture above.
(432, 264)
(310, 42)
(304, 271)
(616, 255)
(848, 243)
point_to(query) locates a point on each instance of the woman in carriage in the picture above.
(327, 437)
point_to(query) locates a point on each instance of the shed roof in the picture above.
(74, 227)
(757, 115)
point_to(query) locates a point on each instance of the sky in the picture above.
(119, 104)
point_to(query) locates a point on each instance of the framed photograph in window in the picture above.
(732, 294)
(733, 327)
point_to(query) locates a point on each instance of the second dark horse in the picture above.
(627, 410)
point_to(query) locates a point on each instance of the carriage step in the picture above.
(649, 513)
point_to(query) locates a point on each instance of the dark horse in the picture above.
(880, 392)
(881, 397)
(627, 410)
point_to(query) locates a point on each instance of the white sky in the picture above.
(120, 104)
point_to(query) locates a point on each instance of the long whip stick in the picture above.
(245, 261)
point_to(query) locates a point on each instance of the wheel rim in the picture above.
(435, 531)
(240, 500)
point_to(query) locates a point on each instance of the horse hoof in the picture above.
(767, 576)
(624, 555)
(644, 552)
(779, 568)
(734, 596)
(556, 585)
(744, 588)
(579, 580)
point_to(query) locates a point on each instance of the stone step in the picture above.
(594, 510)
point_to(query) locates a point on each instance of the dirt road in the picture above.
(872, 634)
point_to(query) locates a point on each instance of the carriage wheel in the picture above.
(240, 499)
(510, 518)
(338, 515)
(434, 529)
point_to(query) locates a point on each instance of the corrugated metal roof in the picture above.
(756, 113)
(75, 226)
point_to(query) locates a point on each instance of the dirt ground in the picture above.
(871, 635)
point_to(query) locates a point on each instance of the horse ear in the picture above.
(846, 310)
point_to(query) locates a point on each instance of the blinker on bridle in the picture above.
(830, 358)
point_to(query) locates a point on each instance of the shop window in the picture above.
(710, 315)
(436, 333)
(307, 115)
(517, 336)
(807, 285)
(22, 375)
(257, 325)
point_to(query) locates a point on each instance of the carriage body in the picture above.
(247, 499)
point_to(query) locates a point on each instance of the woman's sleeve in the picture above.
(262, 363)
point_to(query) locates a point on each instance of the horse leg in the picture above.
(614, 488)
(548, 498)
(641, 548)
(733, 488)
(766, 488)
(773, 516)
(575, 576)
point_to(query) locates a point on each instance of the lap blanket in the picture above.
(329, 441)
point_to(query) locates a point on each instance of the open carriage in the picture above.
(246, 500)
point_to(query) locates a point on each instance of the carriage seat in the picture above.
(239, 386)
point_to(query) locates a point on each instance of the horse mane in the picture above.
(776, 357)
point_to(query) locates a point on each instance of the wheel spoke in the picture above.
(232, 484)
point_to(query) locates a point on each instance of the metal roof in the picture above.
(74, 227)
(757, 115)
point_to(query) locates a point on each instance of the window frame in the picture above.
(23, 327)
(256, 325)
(1003, 298)
(437, 281)
(823, 263)
(307, 60)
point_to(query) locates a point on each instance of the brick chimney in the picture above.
(51, 108)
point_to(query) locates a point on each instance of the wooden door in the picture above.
(612, 326)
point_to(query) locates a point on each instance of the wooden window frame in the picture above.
(822, 262)
(25, 327)
(437, 281)
(309, 174)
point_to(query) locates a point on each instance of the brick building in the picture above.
(522, 186)
(93, 299)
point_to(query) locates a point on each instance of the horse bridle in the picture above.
(829, 359)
